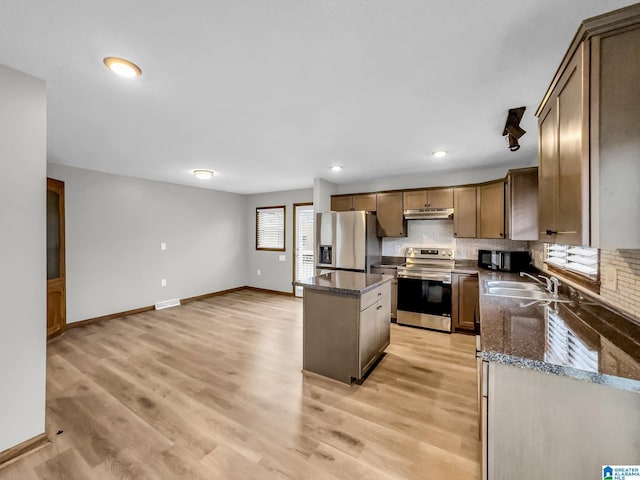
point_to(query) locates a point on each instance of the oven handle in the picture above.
(445, 279)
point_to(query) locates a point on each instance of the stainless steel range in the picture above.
(424, 288)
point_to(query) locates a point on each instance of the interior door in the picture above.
(56, 290)
(304, 262)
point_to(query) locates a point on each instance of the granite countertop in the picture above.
(466, 266)
(344, 282)
(390, 262)
(581, 339)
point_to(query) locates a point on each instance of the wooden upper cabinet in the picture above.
(521, 204)
(440, 198)
(491, 210)
(342, 203)
(588, 137)
(436, 198)
(365, 201)
(464, 216)
(391, 222)
(415, 199)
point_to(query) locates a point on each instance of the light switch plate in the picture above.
(282, 258)
(163, 282)
(163, 246)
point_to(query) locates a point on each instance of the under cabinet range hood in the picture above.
(428, 214)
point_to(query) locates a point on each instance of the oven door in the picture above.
(425, 302)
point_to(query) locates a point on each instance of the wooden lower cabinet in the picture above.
(464, 303)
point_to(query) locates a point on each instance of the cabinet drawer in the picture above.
(372, 296)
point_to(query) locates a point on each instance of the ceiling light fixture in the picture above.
(439, 153)
(122, 67)
(204, 174)
(336, 168)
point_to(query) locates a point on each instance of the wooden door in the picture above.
(464, 216)
(391, 221)
(573, 164)
(465, 301)
(342, 203)
(415, 199)
(440, 198)
(547, 174)
(491, 210)
(364, 202)
(56, 289)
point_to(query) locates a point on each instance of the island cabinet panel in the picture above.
(541, 425)
(464, 216)
(491, 210)
(391, 222)
(343, 335)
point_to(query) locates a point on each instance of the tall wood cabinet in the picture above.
(589, 143)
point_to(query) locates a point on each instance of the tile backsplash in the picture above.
(619, 277)
(439, 233)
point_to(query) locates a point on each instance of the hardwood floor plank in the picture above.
(214, 389)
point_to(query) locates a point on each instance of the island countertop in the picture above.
(344, 282)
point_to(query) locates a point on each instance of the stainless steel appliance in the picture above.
(503, 260)
(428, 213)
(346, 241)
(424, 288)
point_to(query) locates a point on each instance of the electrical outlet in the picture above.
(282, 258)
(163, 246)
(163, 282)
(259, 272)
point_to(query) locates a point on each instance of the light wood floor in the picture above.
(213, 390)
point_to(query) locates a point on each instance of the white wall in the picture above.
(23, 321)
(274, 274)
(114, 227)
(322, 191)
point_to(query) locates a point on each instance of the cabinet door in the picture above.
(342, 204)
(368, 335)
(391, 222)
(547, 174)
(491, 210)
(464, 216)
(573, 170)
(440, 198)
(465, 301)
(365, 202)
(415, 199)
(383, 321)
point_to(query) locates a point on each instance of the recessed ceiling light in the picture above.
(122, 67)
(204, 174)
(336, 168)
(439, 153)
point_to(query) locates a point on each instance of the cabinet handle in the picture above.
(455, 234)
(551, 232)
(379, 294)
(501, 234)
(379, 307)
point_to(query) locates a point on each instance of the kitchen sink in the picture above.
(514, 285)
(522, 293)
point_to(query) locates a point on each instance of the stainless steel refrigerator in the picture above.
(346, 241)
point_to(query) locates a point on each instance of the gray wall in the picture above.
(22, 256)
(322, 191)
(114, 228)
(275, 274)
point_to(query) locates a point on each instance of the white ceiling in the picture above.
(271, 93)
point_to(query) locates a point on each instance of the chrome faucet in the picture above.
(551, 284)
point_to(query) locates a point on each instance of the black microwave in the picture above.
(503, 260)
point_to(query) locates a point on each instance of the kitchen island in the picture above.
(346, 323)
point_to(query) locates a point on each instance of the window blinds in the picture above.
(270, 228)
(580, 260)
(305, 265)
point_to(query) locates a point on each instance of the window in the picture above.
(270, 228)
(582, 261)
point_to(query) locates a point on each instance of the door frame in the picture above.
(295, 243)
(58, 187)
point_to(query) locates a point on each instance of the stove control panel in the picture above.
(435, 253)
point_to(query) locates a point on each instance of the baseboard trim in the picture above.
(210, 295)
(266, 290)
(22, 448)
(126, 313)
